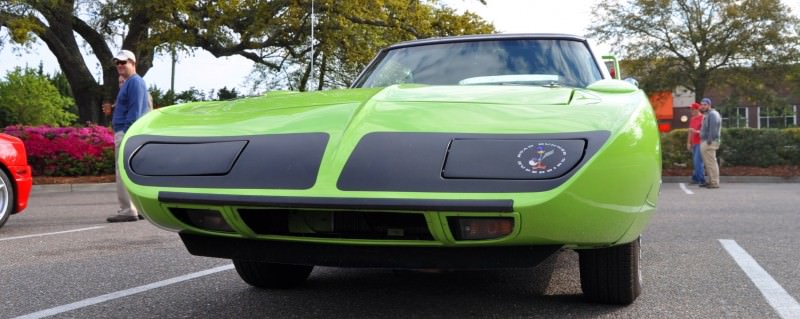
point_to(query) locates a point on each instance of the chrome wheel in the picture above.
(6, 197)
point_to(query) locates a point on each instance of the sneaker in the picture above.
(122, 218)
(140, 216)
(703, 185)
(712, 186)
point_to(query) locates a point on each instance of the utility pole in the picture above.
(311, 75)
(172, 78)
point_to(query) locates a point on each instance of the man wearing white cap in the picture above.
(130, 106)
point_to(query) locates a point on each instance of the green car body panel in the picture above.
(490, 151)
(608, 201)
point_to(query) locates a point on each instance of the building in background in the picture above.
(752, 116)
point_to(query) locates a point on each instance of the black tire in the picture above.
(270, 275)
(612, 275)
(7, 197)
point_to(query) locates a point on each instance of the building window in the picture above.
(777, 117)
(734, 117)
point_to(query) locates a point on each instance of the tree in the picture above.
(30, 99)
(266, 32)
(190, 95)
(61, 83)
(349, 34)
(160, 98)
(227, 94)
(687, 42)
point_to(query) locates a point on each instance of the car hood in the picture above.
(404, 108)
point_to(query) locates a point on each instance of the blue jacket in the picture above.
(712, 124)
(131, 103)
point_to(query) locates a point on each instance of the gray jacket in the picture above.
(712, 124)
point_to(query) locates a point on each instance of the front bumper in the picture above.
(23, 180)
(336, 255)
(606, 199)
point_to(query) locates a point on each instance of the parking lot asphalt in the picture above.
(723, 253)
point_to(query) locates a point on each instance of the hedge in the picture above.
(67, 151)
(739, 147)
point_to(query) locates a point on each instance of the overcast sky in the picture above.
(205, 72)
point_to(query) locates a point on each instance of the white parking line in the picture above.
(123, 293)
(686, 189)
(786, 306)
(53, 233)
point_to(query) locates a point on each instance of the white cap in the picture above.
(124, 55)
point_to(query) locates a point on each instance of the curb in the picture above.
(111, 187)
(737, 179)
(66, 188)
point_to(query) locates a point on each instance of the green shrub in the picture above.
(740, 147)
(29, 98)
(791, 152)
(673, 149)
(753, 147)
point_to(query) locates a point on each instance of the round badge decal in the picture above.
(541, 158)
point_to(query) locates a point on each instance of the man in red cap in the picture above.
(693, 144)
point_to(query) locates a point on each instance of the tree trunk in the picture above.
(322, 66)
(700, 84)
(59, 37)
(304, 79)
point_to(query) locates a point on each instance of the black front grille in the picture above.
(337, 224)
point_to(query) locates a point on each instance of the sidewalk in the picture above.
(110, 187)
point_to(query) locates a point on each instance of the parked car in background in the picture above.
(472, 152)
(15, 177)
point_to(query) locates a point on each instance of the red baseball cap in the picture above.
(695, 106)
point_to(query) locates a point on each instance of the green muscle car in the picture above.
(471, 152)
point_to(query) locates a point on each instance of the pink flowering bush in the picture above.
(67, 151)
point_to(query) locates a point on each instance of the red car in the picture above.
(15, 177)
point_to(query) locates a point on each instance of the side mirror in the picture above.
(632, 81)
(612, 64)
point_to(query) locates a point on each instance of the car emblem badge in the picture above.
(541, 158)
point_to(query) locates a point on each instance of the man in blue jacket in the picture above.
(709, 142)
(131, 104)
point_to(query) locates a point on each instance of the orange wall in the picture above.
(662, 105)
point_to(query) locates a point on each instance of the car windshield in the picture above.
(546, 62)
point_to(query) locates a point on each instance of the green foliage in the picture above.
(687, 42)
(753, 147)
(225, 94)
(190, 95)
(673, 148)
(740, 147)
(60, 82)
(275, 34)
(348, 34)
(792, 150)
(28, 97)
(161, 99)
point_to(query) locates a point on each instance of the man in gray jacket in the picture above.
(709, 142)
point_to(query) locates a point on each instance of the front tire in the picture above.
(6, 197)
(612, 275)
(271, 275)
